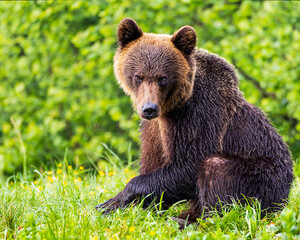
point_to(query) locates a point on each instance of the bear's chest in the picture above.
(167, 140)
(174, 140)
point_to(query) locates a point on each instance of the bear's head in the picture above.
(156, 70)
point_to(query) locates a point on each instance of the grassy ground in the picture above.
(59, 204)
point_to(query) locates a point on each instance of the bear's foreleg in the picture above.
(176, 181)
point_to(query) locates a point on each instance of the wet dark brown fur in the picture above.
(207, 143)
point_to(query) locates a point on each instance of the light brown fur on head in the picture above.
(153, 57)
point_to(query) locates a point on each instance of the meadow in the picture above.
(59, 203)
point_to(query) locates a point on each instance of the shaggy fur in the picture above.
(207, 143)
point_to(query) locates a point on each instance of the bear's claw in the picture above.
(111, 204)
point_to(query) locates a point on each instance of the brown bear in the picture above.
(200, 139)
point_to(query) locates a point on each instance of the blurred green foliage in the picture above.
(57, 83)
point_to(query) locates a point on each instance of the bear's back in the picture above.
(246, 131)
(212, 69)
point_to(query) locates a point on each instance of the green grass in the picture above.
(59, 204)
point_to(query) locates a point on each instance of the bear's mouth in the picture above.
(149, 117)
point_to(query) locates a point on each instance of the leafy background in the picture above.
(57, 88)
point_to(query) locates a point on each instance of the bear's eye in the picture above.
(137, 79)
(162, 81)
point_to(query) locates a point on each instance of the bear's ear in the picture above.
(185, 39)
(128, 30)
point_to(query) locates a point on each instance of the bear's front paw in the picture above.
(121, 200)
(110, 205)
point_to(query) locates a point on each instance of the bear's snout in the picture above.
(150, 111)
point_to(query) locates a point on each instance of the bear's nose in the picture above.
(149, 111)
